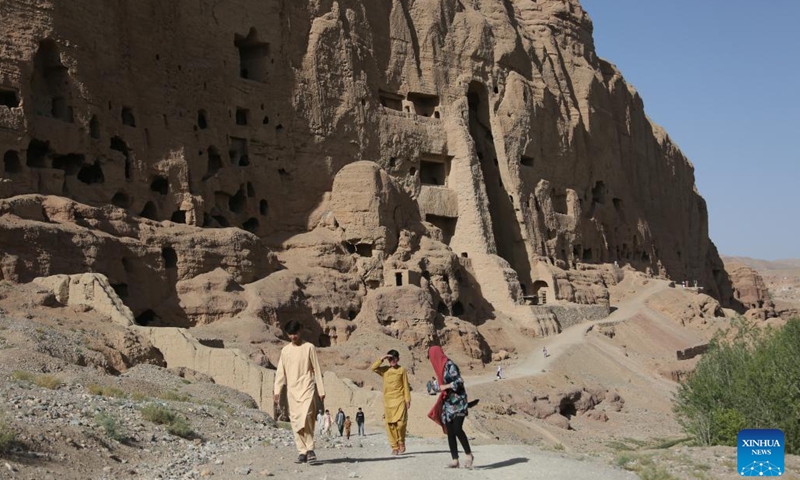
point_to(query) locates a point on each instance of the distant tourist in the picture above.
(544, 351)
(327, 423)
(452, 406)
(396, 399)
(499, 372)
(429, 387)
(299, 371)
(340, 418)
(360, 422)
(347, 425)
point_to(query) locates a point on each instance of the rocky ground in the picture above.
(72, 409)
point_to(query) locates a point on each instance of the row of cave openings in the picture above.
(422, 104)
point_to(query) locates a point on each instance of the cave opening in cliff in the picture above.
(392, 101)
(148, 317)
(170, 257)
(214, 162)
(94, 127)
(526, 161)
(36, 155)
(446, 224)
(50, 83)
(127, 117)
(238, 151)
(539, 292)
(178, 216)
(9, 97)
(121, 200)
(263, 207)
(432, 172)
(91, 174)
(253, 55)
(251, 225)
(149, 211)
(202, 119)
(364, 249)
(238, 202)
(160, 185)
(242, 115)
(70, 163)
(424, 104)
(505, 226)
(11, 163)
(398, 279)
(119, 145)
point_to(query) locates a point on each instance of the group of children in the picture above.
(299, 372)
(343, 423)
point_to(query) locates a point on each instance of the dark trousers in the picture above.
(455, 429)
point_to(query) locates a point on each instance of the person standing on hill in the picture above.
(396, 399)
(299, 371)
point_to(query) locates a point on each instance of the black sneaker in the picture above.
(312, 457)
(302, 458)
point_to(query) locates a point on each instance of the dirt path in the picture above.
(425, 460)
(558, 344)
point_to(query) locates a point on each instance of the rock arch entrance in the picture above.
(539, 292)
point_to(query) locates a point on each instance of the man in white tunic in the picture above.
(299, 371)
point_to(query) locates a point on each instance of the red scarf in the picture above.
(438, 361)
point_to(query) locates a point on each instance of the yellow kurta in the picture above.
(298, 370)
(395, 391)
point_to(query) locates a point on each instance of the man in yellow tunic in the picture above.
(396, 399)
(299, 371)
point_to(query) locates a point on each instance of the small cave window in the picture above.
(238, 152)
(242, 116)
(617, 204)
(51, 83)
(446, 224)
(148, 317)
(364, 249)
(251, 225)
(214, 164)
(398, 279)
(238, 202)
(94, 127)
(202, 119)
(263, 207)
(178, 216)
(424, 104)
(9, 97)
(149, 211)
(587, 255)
(560, 203)
(392, 101)
(526, 161)
(599, 193)
(458, 309)
(170, 257)
(91, 174)
(37, 153)
(253, 55)
(351, 315)
(11, 163)
(432, 173)
(121, 200)
(160, 184)
(71, 163)
(127, 117)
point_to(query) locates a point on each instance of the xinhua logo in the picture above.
(760, 453)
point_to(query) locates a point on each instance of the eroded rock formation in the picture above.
(476, 154)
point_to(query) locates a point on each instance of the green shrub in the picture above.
(180, 427)
(22, 376)
(104, 391)
(113, 429)
(8, 437)
(48, 381)
(157, 414)
(749, 378)
(174, 396)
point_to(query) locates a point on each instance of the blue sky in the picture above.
(723, 78)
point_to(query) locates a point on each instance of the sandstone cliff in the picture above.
(478, 150)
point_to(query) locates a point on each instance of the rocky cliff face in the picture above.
(492, 128)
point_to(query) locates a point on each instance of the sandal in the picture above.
(470, 459)
(453, 464)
